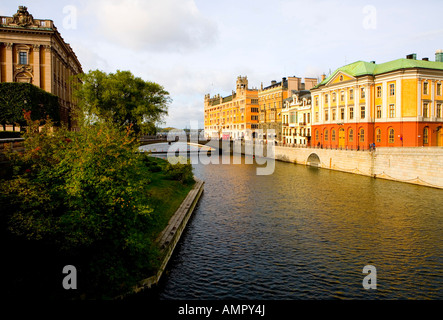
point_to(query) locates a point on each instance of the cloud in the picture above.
(167, 25)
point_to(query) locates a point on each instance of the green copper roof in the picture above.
(361, 68)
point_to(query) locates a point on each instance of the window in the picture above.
(334, 114)
(425, 87)
(326, 98)
(379, 92)
(316, 101)
(378, 112)
(3, 20)
(333, 135)
(342, 113)
(43, 23)
(362, 112)
(426, 135)
(326, 135)
(391, 111)
(333, 97)
(341, 77)
(438, 89)
(391, 135)
(351, 135)
(351, 94)
(351, 113)
(316, 135)
(362, 135)
(438, 111)
(23, 57)
(316, 116)
(342, 96)
(392, 89)
(326, 115)
(378, 135)
(362, 93)
(425, 110)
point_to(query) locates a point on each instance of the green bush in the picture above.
(150, 162)
(18, 97)
(85, 194)
(180, 171)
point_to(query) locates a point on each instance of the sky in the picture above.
(198, 47)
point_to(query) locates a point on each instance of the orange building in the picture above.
(234, 116)
(393, 104)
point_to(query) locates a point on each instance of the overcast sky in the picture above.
(195, 47)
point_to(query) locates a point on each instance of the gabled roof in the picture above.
(362, 68)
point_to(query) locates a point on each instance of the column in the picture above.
(9, 63)
(36, 62)
(48, 69)
(1, 62)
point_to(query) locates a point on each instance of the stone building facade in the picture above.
(33, 51)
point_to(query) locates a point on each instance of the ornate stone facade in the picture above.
(33, 51)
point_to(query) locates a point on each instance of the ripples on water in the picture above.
(305, 233)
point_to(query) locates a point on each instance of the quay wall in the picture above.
(170, 236)
(416, 165)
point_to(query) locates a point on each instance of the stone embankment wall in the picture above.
(417, 165)
(169, 237)
(421, 166)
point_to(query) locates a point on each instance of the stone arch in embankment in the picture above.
(313, 160)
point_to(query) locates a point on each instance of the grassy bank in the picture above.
(165, 194)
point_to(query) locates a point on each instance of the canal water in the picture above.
(305, 233)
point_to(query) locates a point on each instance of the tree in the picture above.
(82, 195)
(122, 98)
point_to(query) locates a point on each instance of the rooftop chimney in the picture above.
(412, 56)
(323, 77)
(425, 59)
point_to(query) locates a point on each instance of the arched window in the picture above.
(326, 135)
(391, 135)
(378, 135)
(362, 135)
(351, 135)
(316, 135)
(333, 135)
(426, 135)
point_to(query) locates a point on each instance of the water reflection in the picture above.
(305, 233)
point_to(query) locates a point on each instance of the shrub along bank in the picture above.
(86, 199)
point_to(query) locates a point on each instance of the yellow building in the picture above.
(234, 116)
(271, 99)
(33, 51)
(392, 104)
